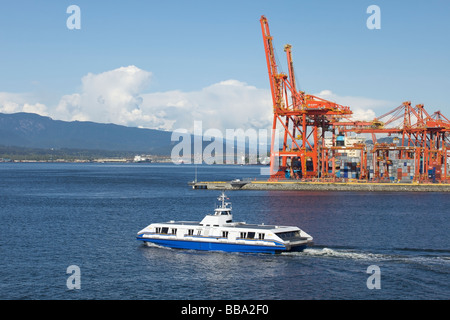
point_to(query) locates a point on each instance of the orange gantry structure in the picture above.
(301, 122)
(299, 115)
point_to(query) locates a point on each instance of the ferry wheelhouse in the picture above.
(218, 232)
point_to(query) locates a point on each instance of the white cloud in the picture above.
(38, 108)
(108, 97)
(120, 96)
(228, 104)
(117, 96)
(17, 102)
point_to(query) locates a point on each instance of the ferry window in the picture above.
(243, 234)
(251, 235)
(225, 234)
(190, 232)
(199, 232)
(224, 213)
(261, 236)
(164, 230)
(158, 230)
(174, 231)
(288, 235)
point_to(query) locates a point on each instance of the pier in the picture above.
(321, 186)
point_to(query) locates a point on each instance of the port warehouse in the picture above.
(321, 141)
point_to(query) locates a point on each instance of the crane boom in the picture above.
(275, 78)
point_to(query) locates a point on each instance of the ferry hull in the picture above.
(226, 247)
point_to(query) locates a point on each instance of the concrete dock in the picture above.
(321, 186)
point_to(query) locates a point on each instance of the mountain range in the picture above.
(30, 130)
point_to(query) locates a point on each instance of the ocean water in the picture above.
(53, 216)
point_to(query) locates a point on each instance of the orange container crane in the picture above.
(424, 138)
(303, 120)
(299, 116)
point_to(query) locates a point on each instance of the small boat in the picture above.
(218, 232)
(238, 183)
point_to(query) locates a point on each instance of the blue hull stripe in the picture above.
(215, 246)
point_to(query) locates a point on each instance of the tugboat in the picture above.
(218, 232)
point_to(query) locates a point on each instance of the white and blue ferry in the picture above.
(218, 232)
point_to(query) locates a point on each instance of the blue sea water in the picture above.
(53, 216)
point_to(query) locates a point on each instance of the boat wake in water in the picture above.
(338, 253)
(419, 256)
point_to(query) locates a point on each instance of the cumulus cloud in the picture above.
(225, 105)
(122, 96)
(117, 96)
(108, 97)
(16, 102)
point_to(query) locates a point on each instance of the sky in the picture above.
(166, 64)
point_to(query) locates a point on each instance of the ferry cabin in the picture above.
(233, 232)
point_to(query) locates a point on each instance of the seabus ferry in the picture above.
(218, 232)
